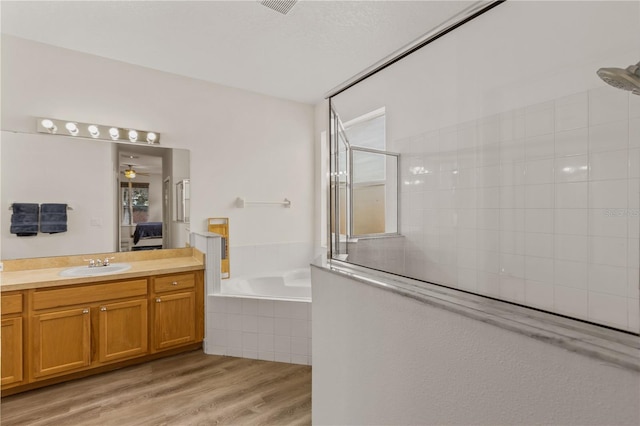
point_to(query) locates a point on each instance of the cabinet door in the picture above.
(61, 341)
(174, 320)
(11, 350)
(123, 330)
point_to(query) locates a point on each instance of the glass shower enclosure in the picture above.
(364, 188)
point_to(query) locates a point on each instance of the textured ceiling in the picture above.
(298, 56)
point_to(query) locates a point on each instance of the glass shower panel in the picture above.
(520, 171)
(340, 189)
(374, 203)
(364, 195)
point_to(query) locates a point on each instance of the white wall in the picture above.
(26, 159)
(380, 358)
(241, 143)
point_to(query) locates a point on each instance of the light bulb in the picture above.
(133, 135)
(151, 137)
(72, 128)
(114, 133)
(93, 131)
(48, 124)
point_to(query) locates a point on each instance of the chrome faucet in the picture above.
(99, 262)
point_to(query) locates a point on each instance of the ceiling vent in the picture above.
(282, 6)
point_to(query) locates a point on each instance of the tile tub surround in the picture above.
(271, 330)
(538, 206)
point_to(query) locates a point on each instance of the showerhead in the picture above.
(625, 79)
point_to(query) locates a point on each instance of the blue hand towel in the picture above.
(53, 218)
(24, 220)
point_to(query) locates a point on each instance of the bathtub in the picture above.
(266, 316)
(291, 285)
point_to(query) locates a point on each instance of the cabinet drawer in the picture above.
(11, 303)
(45, 299)
(174, 282)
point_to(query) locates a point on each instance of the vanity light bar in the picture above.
(96, 131)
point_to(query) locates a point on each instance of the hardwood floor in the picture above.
(186, 389)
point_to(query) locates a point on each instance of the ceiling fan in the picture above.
(130, 173)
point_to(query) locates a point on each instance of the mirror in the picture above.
(105, 206)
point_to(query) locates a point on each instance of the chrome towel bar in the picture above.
(242, 203)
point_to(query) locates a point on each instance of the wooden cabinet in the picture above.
(12, 339)
(174, 313)
(71, 324)
(51, 334)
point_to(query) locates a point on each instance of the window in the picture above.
(135, 202)
(366, 177)
(368, 130)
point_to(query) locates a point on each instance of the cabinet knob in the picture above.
(103, 308)
(85, 311)
(174, 283)
(158, 300)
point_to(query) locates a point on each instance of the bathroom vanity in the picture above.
(56, 327)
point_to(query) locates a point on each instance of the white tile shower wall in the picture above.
(538, 205)
(271, 330)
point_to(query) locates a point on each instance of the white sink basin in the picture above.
(85, 271)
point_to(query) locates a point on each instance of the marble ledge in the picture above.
(615, 347)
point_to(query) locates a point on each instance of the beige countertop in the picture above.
(26, 274)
